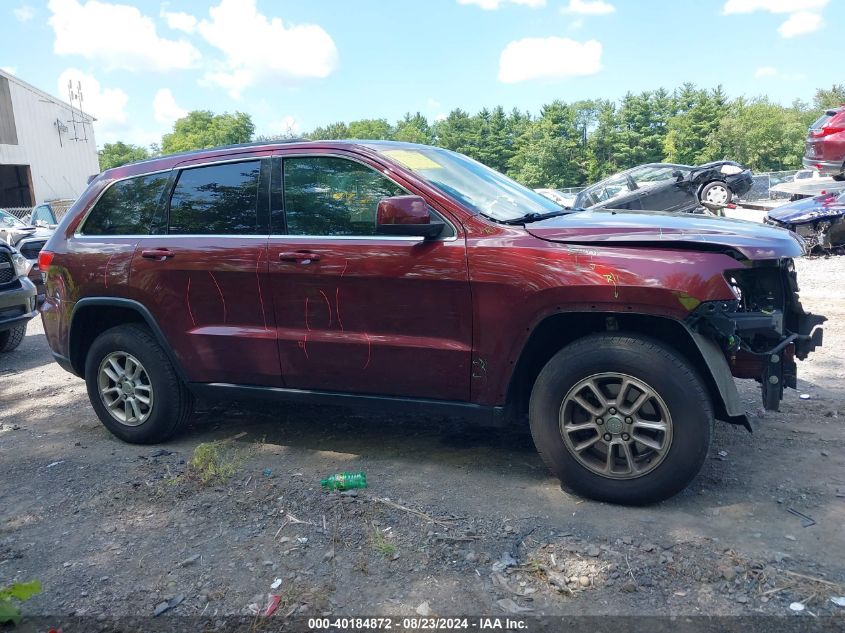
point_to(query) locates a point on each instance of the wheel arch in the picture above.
(558, 330)
(92, 316)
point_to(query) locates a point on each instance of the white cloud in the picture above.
(261, 48)
(770, 72)
(772, 6)
(588, 7)
(165, 108)
(766, 71)
(24, 13)
(576, 25)
(492, 5)
(548, 58)
(9, 69)
(117, 35)
(801, 23)
(180, 21)
(107, 105)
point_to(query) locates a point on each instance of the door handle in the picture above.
(158, 254)
(301, 257)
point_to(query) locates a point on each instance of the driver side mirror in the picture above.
(406, 216)
(678, 175)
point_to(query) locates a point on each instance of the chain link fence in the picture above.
(59, 207)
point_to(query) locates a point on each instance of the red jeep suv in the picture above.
(393, 274)
(825, 149)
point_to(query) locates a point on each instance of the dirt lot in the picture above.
(455, 521)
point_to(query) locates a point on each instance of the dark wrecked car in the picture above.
(819, 220)
(28, 235)
(668, 187)
(399, 275)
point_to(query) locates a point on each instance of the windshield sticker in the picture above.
(412, 159)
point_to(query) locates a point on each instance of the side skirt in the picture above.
(479, 415)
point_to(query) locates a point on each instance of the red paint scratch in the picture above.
(329, 306)
(345, 264)
(307, 325)
(106, 271)
(303, 345)
(188, 301)
(369, 350)
(260, 294)
(337, 307)
(220, 292)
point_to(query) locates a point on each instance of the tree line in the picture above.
(566, 144)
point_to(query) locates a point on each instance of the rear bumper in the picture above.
(824, 167)
(17, 304)
(741, 183)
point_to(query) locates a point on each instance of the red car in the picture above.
(400, 275)
(825, 149)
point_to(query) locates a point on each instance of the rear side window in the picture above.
(823, 120)
(216, 200)
(127, 207)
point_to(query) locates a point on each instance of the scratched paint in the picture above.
(219, 292)
(611, 278)
(106, 271)
(260, 293)
(188, 301)
(369, 350)
(337, 308)
(328, 306)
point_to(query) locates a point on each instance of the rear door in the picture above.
(358, 312)
(202, 274)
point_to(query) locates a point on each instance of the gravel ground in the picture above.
(455, 521)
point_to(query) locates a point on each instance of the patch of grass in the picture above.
(215, 462)
(381, 544)
(12, 595)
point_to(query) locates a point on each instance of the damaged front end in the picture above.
(764, 329)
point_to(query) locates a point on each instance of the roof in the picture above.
(169, 160)
(43, 95)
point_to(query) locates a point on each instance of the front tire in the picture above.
(716, 192)
(10, 339)
(623, 419)
(133, 386)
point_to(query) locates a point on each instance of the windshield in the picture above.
(649, 175)
(8, 219)
(474, 185)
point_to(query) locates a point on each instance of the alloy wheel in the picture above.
(616, 425)
(125, 388)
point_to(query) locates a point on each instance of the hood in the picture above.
(658, 229)
(810, 209)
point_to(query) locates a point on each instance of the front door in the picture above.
(204, 277)
(359, 312)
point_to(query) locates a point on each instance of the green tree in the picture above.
(117, 154)
(200, 129)
(414, 129)
(371, 129)
(455, 132)
(698, 115)
(334, 131)
(549, 153)
(762, 135)
(831, 98)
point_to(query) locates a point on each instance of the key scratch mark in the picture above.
(106, 271)
(260, 294)
(307, 325)
(303, 345)
(220, 292)
(337, 307)
(188, 301)
(611, 278)
(369, 350)
(329, 306)
(345, 264)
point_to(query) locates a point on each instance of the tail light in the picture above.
(826, 131)
(45, 258)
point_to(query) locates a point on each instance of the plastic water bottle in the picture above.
(345, 481)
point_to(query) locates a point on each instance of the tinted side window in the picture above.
(218, 199)
(127, 207)
(333, 196)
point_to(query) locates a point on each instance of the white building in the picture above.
(47, 148)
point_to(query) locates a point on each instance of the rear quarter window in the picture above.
(127, 207)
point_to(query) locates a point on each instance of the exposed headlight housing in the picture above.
(731, 170)
(22, 264)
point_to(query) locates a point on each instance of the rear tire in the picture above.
(671, 396)
(134, 387)
(716, 192)
(10, 339)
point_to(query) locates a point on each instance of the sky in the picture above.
(294, 65)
